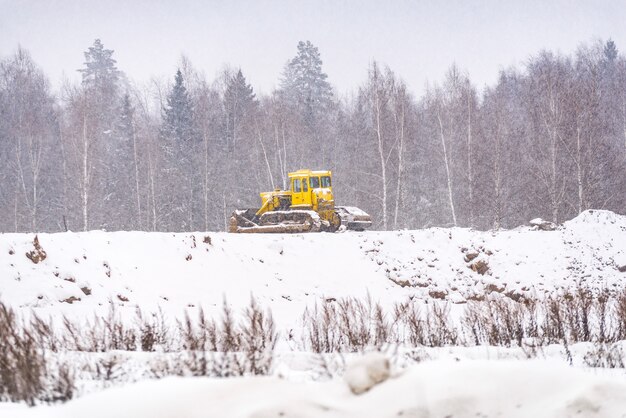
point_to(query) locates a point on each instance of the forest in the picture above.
(548, 140)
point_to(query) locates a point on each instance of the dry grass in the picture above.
(579, 315)
(25, 374)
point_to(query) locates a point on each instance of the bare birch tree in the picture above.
(30, 126)
(547, 99)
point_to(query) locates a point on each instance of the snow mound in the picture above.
(597, 217)
(367, 371)
(432, 389)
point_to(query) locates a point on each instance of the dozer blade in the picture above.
(282, 221)
(242, 218)
(353, 218)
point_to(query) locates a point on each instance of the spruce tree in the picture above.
(99, 112)
(180, 147)
(304, 83)
(610, 51)
(125, 135)
(125, 125)
(123, 186)
(100, 72)
(101, 81)
(177, 126)
(239, 102)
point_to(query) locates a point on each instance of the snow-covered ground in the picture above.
(289, 272)
(83, 274)
(430, 389)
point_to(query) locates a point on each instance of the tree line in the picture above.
(547, 140)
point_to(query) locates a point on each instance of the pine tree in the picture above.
(125, 126)
(610, 51)
(179, 142)
(178, 116)
(239, 102)
(126, 190)
(304, 83)
(96, 107)
(100, 73)
(101, 81)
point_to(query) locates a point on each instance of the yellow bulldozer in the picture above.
(308, 206)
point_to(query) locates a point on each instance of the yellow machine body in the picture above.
(308, 190)
(307, 206)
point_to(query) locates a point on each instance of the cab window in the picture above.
(296, 186)
(305, 188)
(326, 181)
(315, 182)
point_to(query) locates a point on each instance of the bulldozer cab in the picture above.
(303, 182)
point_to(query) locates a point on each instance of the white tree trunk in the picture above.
(399, 122)
(281, 151)
(267, 162)
(470, 177)
(85, 176)
(447, 166)
(497, 176)
(35, 197)
(624, 120)
(552, 122)
(151, 174)
(65, 179)
(553, 174)
(15, 205)
(191, 200)
(20, 185)
(383, 165)
(137, 196)
(206, 180)
(284, 169)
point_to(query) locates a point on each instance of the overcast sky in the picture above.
(417, 39)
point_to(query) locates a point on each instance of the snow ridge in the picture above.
(83, 272)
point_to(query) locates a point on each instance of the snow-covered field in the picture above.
(289, 272)
(84, 274)
(431, 389)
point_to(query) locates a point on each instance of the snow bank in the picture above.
(597, 217)
(431, 389)
(83, 272)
